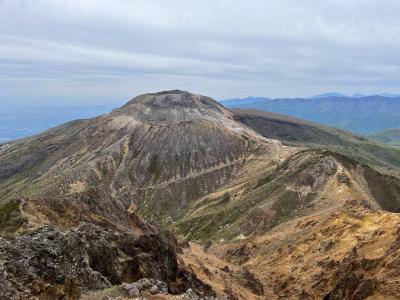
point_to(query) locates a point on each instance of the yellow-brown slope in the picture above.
(351, 252)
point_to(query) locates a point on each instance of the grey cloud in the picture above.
(111, 50)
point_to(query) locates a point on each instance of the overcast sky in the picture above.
(108, 51)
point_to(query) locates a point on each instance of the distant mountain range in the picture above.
(339, 95)
(357, 113)
(244, 101)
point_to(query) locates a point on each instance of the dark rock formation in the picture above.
(248, 280)
(59, 264)
(342, 178)
(349, 278)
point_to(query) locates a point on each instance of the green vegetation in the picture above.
(274, 196)
(384, 188)
(388, 136)
(10, 217)
(296, 132)
(227, 217)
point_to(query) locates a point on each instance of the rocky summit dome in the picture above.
(173, 107)
(159, 153)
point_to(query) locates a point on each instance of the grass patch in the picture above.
(11, 218)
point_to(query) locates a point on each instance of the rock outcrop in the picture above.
(56, 264)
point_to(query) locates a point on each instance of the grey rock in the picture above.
(131, 289)
(86, 258)
(154, 290)
(190, 295)
(144, 283)
(162, 287)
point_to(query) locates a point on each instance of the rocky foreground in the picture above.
(92, 262)
(352, 252)
(49, 263)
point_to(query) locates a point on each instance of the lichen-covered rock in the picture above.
(154, 286)
(49, 261)
(131, 289)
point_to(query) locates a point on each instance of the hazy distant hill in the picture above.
(388, 136)
(326, 95)
(362, 115)
(244, 101)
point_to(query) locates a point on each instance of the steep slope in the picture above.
(388, 136)
(297, 132)
(306, 183)
(351, 252)
(157, 154)
(362, 115)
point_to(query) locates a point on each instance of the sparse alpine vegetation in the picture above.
(387, 136)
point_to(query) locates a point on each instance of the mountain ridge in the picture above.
(361, 115)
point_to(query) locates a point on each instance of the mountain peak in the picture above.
(172, 107)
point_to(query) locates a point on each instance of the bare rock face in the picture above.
(59, 264)
(173, 107)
